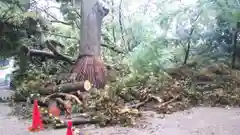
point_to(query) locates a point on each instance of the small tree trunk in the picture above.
(235, 35)
(188, 46)
(89, 65)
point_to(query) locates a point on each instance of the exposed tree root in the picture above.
(91, 68)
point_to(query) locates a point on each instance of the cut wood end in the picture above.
(87, 85)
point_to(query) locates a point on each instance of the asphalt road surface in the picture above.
(196, 121)
(5, 93)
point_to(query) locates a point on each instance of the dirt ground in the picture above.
(196, 121)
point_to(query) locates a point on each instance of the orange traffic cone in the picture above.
(36, 119)
(69, 128)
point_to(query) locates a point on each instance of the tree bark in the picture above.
(89, 43)
(89, 65)
(235, 35)
(90, 33)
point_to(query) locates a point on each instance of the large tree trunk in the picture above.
(89, 65)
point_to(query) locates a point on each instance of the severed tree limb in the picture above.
(158, 99)
(34, 52)
(51, 55)
(138, 105)
(148, 99)
(51, 44)
(67, 106)
(62, 94)
(59, 100)
(168, 102)
(40, 53)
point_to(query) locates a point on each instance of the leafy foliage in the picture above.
(156, 40)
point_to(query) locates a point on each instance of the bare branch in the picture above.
(112, 48)
(63, 36)
(51, 46)
(55, 19)
(52, 55)
(113, 18)
(120, 21)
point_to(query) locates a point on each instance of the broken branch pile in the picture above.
(122, 101)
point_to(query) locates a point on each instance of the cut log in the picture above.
(67, 87)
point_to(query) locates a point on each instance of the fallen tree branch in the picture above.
(158, 99)
(168, 102)
(40, 53)
(148, 99)
(138, 105)
(59, 100)
(62, 94)
(51, 46)
(67, 106)
(51, 55)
